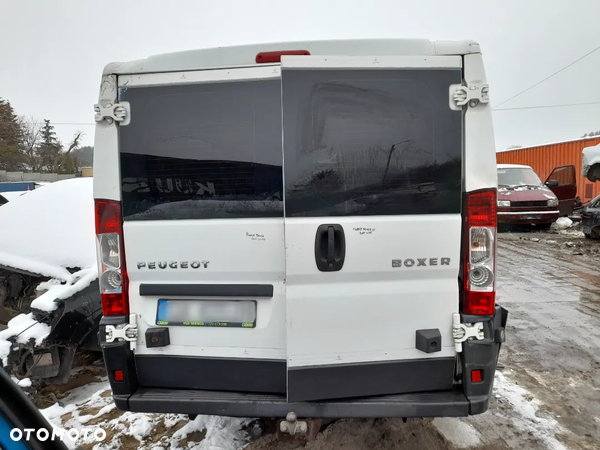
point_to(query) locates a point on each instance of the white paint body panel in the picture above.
(263, 72)
(234, 257)
(479, 152)
(107, 176)
(369, 310)
(244, 55)
(373, 62)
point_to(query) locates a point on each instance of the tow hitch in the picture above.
(292, 429)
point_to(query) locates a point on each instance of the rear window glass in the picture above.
(360, 142)
(202, 151)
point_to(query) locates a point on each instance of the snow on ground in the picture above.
(91, 406)
(459, 433)
(25, 327)
(50, 229)
(25, 382)
(563, 223)
(526, 414)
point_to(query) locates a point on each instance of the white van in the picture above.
(302, 227)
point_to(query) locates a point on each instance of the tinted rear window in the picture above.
(202, 151)
(371, 142)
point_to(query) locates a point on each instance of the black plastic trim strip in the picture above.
(219, 374)
(207, 290)
(367, 379)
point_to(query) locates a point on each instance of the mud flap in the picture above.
(118, 356)
(482, 355)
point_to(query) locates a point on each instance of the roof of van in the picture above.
(513, 166)
(245, 55)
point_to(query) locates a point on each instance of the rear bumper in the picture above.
(139, 394)
(432, 404)
(527, 217)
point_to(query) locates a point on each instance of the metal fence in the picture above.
(27, 176)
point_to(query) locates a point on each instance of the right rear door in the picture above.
(372, 171)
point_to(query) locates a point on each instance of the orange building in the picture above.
(544, 158)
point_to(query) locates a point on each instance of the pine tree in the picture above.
(49, 149)
(11, 137)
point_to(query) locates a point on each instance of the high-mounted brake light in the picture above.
(479, 260)
(111, 259)
(275, 57)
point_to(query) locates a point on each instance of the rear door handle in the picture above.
(330, 247)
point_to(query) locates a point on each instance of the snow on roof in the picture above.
(512, 166)
(548, 143)
(50, 229)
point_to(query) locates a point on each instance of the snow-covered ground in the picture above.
(91, 406)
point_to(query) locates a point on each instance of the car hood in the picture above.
(525, 194)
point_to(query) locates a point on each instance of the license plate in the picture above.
(207, 313)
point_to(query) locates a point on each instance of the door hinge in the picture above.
(471, 95)
(462, 332)
(113, 112)
(123, 332)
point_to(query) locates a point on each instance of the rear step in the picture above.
(431, 404)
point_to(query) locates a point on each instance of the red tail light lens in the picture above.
(479, 260)
(111, 259)
(275, 57)
(482, 209)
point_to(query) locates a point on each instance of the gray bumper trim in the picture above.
(431, 404)
(514, 213)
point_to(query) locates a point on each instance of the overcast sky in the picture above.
(53, 52)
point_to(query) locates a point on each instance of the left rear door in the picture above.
(201, 188)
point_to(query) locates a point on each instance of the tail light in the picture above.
(111, 259)
(479, 261)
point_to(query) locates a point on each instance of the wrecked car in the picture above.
(524, 200)
(591, 163)
(49, 296)
(590, 219)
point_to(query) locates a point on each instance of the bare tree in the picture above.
(69, 161)
(32, 134)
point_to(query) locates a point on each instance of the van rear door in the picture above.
(372, 170)
(202, 200)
